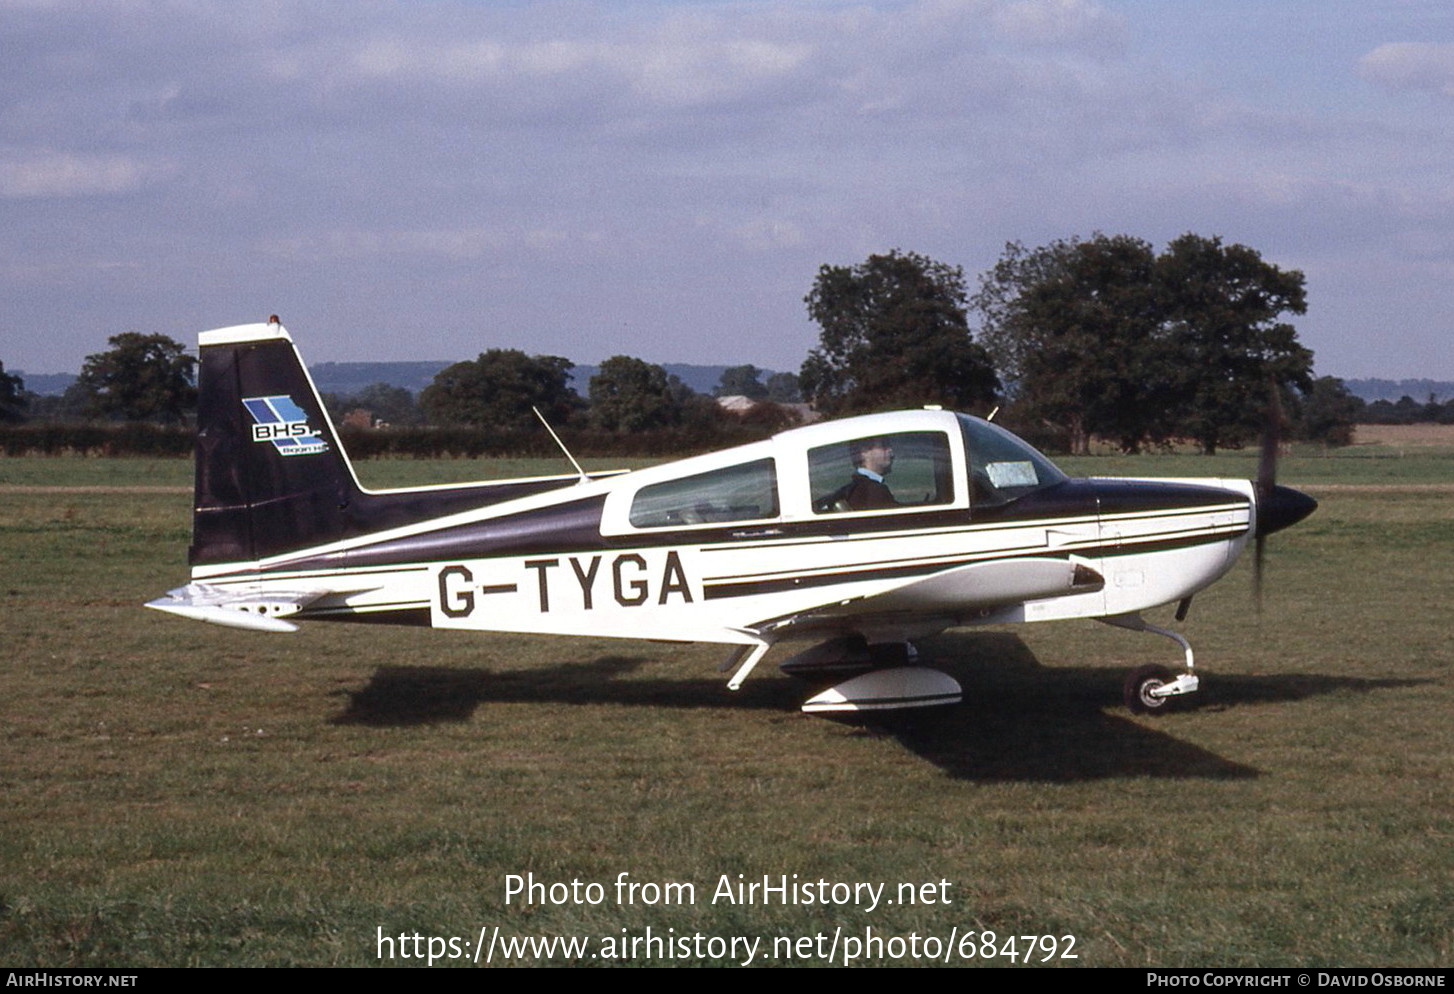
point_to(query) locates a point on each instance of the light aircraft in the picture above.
(776, 540)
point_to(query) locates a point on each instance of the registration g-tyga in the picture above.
(807, 535)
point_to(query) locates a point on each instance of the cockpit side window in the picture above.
(747, 492)
(1002, 467)
(876, 472)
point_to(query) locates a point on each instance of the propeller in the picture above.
(1277, 507)
(1266, 481)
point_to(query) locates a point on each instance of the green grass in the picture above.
(179, 794)
(1307, 466)
(69, 471)
(1361, 465)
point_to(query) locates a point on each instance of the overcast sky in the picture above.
(663, 179)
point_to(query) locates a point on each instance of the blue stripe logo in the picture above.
(282, 422)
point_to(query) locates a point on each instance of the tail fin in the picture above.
(271, 475)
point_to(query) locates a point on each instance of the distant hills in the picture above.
(45, 384)
(351, 377)
(346, 378)
(1394, 390)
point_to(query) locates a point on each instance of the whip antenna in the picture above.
(584, 477)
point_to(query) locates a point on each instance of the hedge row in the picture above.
(137, 439)
(132, 439)
(471, 443)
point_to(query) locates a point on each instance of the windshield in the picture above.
(1002, 467)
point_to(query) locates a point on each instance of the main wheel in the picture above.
(1138, 686)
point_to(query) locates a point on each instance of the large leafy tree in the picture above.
(1102, 337)
(12, 396)
(1222, 307)
(140, 378)
(631, 395)
(894, 334)
(498, 390)
(1074, 326)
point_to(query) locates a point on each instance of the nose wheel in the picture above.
(1150, 689)
(1145, 689)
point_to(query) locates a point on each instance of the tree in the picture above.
(741, 381)
(498, 389)
(75, 403)
(631, 395)
(1222, 305)
(894, 334)
(1104, 338)
(782, 388)
(1328, 413)
(384, 403)
(141, 378)
(696, 412)
(1074, 326)
(12, 397)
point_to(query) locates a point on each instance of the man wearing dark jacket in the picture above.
(872, 460)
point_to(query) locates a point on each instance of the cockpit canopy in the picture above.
(902, 462)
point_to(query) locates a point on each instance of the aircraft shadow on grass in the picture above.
(1019, 720)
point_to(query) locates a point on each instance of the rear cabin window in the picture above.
(903, 469)
(738, 493)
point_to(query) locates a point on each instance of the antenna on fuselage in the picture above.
(584, 477)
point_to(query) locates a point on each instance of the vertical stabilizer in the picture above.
(271, 476)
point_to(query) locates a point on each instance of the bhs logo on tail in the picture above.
(281, 421)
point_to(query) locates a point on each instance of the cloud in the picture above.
(1077, 24)
(650, 160)
(610, 65)
(669, 66)
(64, 174)
(1411, 65)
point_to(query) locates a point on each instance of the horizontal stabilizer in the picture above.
(255, 611)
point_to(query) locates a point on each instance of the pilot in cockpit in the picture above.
(873, 458)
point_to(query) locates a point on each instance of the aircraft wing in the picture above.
(954, 593)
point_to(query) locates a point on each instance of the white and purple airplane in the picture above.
(863, 534)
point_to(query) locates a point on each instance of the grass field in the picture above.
(179, 794)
